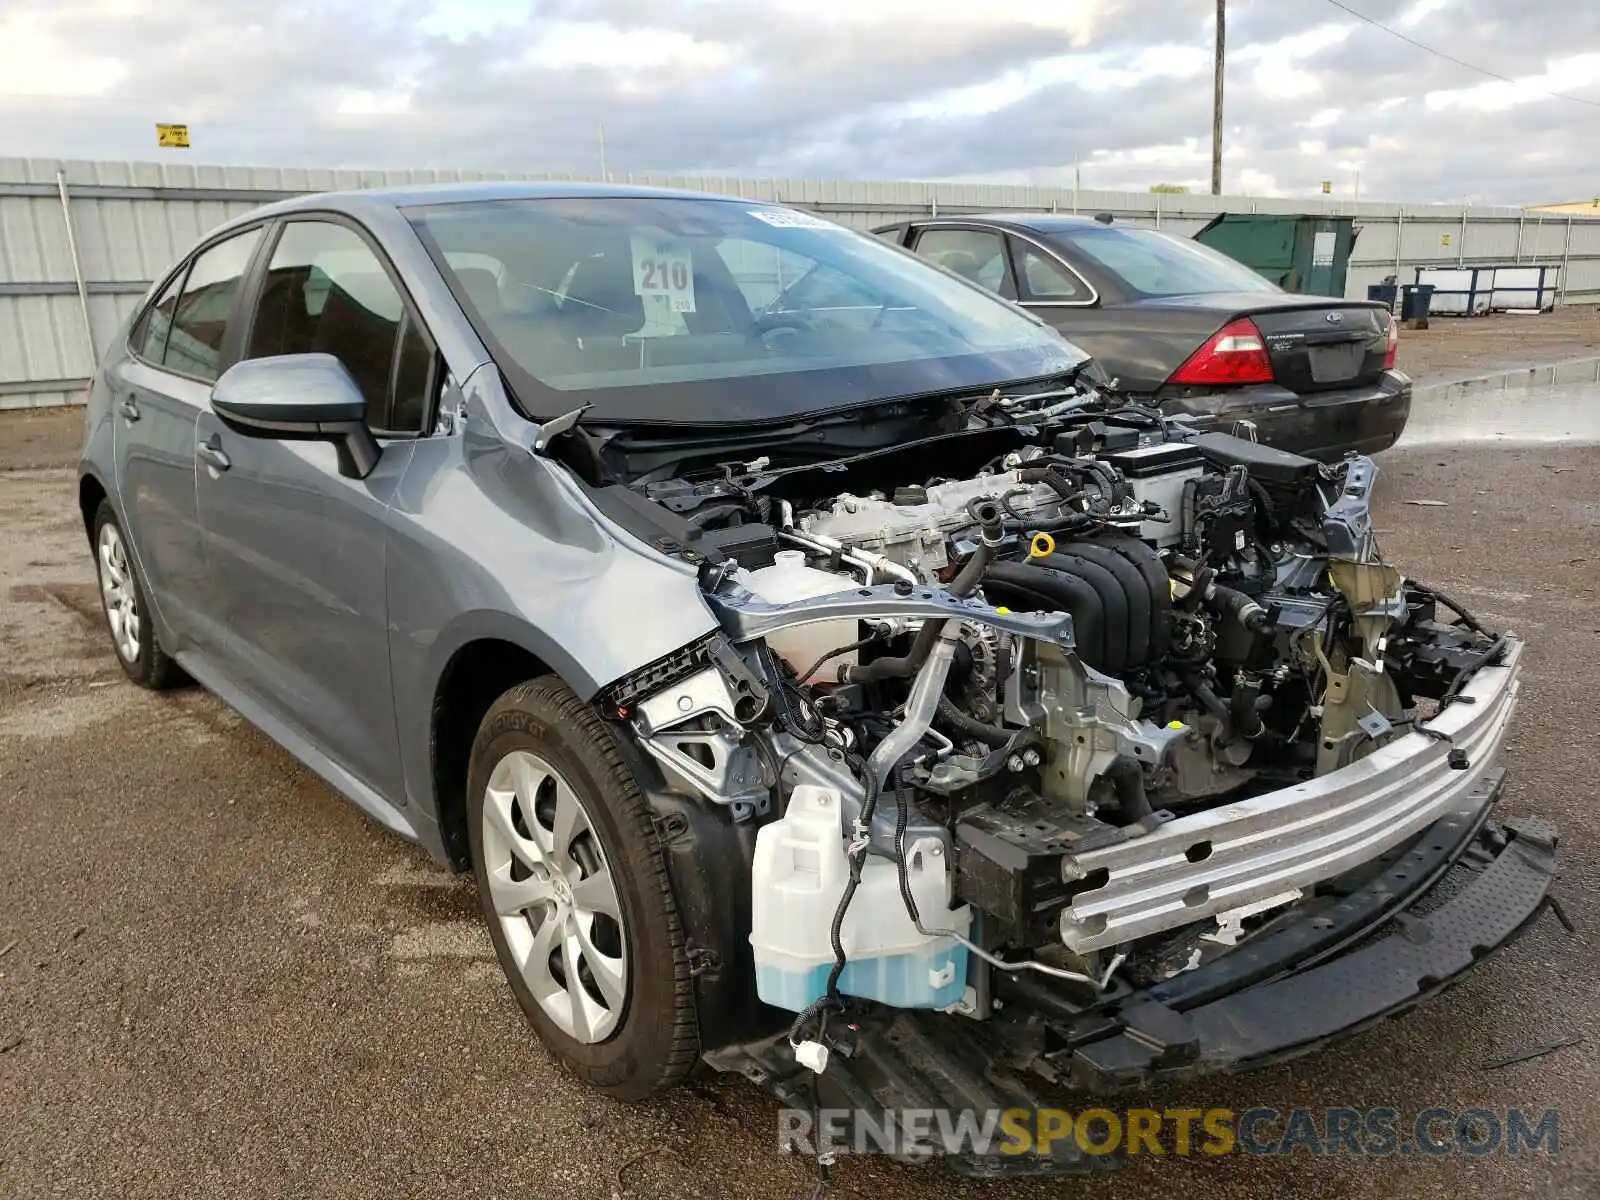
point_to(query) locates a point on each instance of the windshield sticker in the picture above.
(785, 218)
(664, 268)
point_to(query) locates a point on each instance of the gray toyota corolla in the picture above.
(829, 682)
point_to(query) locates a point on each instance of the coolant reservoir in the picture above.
(787, 579)
(798, 876)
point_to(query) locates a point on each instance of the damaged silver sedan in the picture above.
(824, 674)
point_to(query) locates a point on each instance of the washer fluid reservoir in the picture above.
(789, 579)
(798, 877)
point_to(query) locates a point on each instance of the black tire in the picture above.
(150, 666)
(656, 1041)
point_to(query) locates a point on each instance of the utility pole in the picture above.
(1216, 101)
(605, 175)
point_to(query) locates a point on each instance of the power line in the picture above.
(1460, 62)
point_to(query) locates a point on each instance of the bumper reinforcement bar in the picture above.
(1404, 928)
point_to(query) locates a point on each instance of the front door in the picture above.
(297, 548)
(159, 390)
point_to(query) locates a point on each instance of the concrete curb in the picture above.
(1572, 370)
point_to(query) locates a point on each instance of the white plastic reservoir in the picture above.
(788, 579)
(799, 875)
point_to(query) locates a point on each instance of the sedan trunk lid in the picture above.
(1314, 343)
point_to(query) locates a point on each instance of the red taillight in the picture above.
(1236, 353)
(1393, 349)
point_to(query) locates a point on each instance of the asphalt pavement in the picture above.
(218, 979)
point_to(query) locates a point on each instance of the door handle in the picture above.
(129, 410)
(214, 456)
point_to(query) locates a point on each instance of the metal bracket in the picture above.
(550, 430)
(746, 617)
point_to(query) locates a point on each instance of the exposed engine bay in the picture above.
(1086, 695)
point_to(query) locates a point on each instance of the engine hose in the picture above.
(835, 653)
(1186, 514)
(970, 726)
(1071, 523)
(1209, 700)
(1111, 485)
(1128, 779)
(880, 669)
(1232, 604)
(1245, 707)
(1055, 478)
(715, 512)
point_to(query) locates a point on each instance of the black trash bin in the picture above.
(1384, 293)
(1415, 301)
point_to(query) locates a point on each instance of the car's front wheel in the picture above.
(127, 612)
(575, 890)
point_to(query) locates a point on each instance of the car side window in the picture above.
(326, 292)
(975, 254)
(200, 321)
(1044, 277)
(149, 337)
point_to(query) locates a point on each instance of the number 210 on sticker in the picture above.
(664, 268)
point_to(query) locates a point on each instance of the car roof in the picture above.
(403, 196)
(1028, 222)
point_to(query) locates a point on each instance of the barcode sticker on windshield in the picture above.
(664, 268)
(787, 218)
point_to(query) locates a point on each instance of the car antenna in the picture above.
(550, 430)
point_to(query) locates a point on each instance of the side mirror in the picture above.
(299, 397)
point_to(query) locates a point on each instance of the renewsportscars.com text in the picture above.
(1369, 1132)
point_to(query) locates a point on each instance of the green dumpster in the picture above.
(1307, 254)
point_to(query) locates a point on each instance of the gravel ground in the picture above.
(218, 979)
(1459, 347)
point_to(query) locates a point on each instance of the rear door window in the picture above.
(193, 344)
(975, 254)
(1044, 278)
(326, 292)
(149, 337)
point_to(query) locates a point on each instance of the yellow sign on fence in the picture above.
(172, 136)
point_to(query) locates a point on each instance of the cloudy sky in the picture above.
(1007, 90)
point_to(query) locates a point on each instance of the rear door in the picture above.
(159, 389)
(297, 548)
(971, 251)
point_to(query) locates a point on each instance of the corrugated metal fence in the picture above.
(80, 242)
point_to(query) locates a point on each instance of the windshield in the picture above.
(1151, 263)
(669, 309)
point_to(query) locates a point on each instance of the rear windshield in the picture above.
(1151, 263)
(664, 308)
